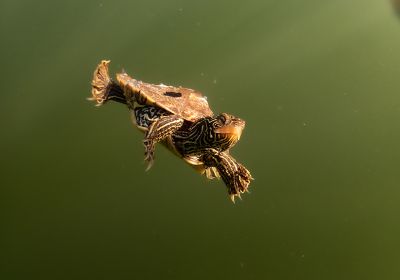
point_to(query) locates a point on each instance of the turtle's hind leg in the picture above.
(162, 128)
(104, 88)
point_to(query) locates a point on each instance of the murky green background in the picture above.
(318, 84)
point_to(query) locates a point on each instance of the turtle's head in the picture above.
(228, 129)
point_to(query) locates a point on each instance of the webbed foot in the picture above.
(235, 176)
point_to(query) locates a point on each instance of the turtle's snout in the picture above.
(238, 122)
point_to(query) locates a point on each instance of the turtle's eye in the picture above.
(225, 119)
(222, 118)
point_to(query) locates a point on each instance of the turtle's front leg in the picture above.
(235, 176)
(159, 130)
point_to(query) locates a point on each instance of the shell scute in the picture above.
(187, 103)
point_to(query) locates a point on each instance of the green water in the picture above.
(318, 84)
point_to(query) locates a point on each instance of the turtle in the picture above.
(181, 119)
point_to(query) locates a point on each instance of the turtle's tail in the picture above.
(103, 88)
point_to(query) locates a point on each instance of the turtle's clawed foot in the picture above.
(235, 176)
(149, 153)
(238, 182)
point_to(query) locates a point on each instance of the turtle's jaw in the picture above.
(231, 131)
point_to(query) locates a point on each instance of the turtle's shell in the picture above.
(187, 103)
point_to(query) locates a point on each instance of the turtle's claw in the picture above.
(149, 158)
(149, 164)
(149, 153)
